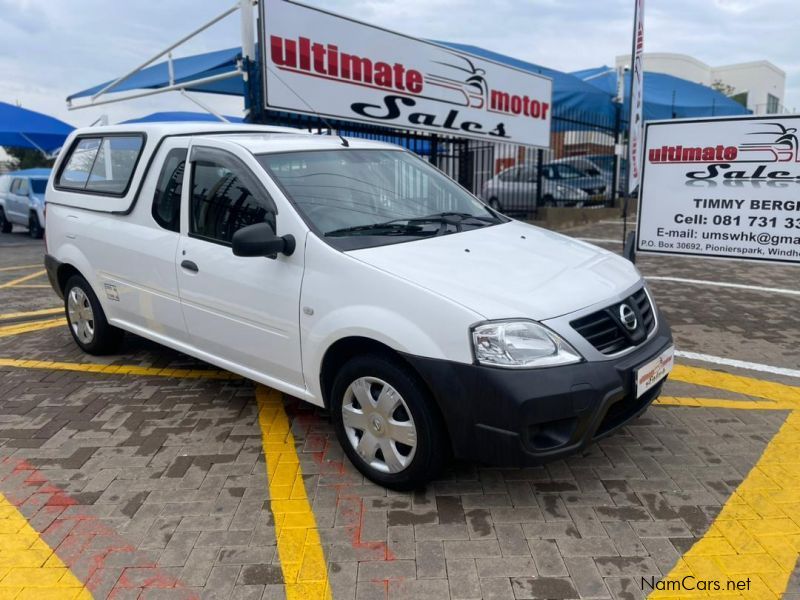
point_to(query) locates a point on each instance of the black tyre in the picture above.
(35, 228)
(5, 225)
(387, 424)
(86, 319)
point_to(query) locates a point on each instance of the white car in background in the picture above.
(357, 277)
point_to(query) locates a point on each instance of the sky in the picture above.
(51, 48)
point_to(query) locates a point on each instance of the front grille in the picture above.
(605, 331)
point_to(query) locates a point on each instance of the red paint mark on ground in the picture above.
(82, 541)
(349, 505)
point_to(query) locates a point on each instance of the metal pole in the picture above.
(630, 121)
(204, 106)
(539, 161)
(185, 38)
(169, 88)
(248, 31)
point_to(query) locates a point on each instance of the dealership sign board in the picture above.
(316, 62)
(726, 187)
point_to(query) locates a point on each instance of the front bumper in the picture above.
(529, 416)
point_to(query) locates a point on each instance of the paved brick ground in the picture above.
(169, 476)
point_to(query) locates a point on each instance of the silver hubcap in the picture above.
(378, 425)
(81, 317)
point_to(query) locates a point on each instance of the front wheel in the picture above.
(5, 225)
(86, 319)
(386, 423)
(35, 228)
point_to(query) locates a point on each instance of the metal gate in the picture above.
(579, 169)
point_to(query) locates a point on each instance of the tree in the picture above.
(723, 87)
(28, 158)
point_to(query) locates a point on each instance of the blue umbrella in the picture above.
(22, 128)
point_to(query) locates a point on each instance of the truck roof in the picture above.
(258, 139)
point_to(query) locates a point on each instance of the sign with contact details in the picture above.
(725, 187)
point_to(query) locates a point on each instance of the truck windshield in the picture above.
(363, 198)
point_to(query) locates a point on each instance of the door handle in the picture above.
(190, 266)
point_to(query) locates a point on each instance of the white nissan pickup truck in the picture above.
(353, 275)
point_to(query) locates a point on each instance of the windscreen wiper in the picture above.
(401, 227)
(406, 225)
(451, 218)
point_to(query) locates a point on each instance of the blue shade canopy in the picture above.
(23, 128)
(187, 69)
(181, 116)
(571, 96)
(666, 96)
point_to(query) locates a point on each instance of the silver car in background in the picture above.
(593, 167)
(22, 201)
(514, 189)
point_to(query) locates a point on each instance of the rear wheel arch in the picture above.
(63, 274)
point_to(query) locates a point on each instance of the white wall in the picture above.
(757, 78)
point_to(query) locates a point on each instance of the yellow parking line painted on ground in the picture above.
(737, 383)
(757, 532)
(31, 313)
(30, 286)
(721, 403)
(118, 369)
(302, 560)
(754, 543)
(29, 569)
(23, 279)
(17, 328)
(19, 268)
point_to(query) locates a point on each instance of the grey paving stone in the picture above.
(383, 570)
(587, 547)
(549, 562)
(512, 539)
(430, 559)
(586, 578)
(462, 577)
(471, 548)
(440, 532)
(512, 566)
(543, 587)
(496, 588)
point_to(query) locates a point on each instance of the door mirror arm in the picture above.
(260, 240)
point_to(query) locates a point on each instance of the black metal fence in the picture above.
(580, 167)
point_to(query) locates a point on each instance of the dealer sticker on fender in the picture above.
(726, 187)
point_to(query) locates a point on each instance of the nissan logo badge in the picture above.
(628, 317)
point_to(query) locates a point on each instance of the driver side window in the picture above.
(225, 197)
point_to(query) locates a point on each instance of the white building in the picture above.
(759, 85)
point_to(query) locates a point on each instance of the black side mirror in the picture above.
(261, 240)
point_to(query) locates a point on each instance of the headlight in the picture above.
(520, 344)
